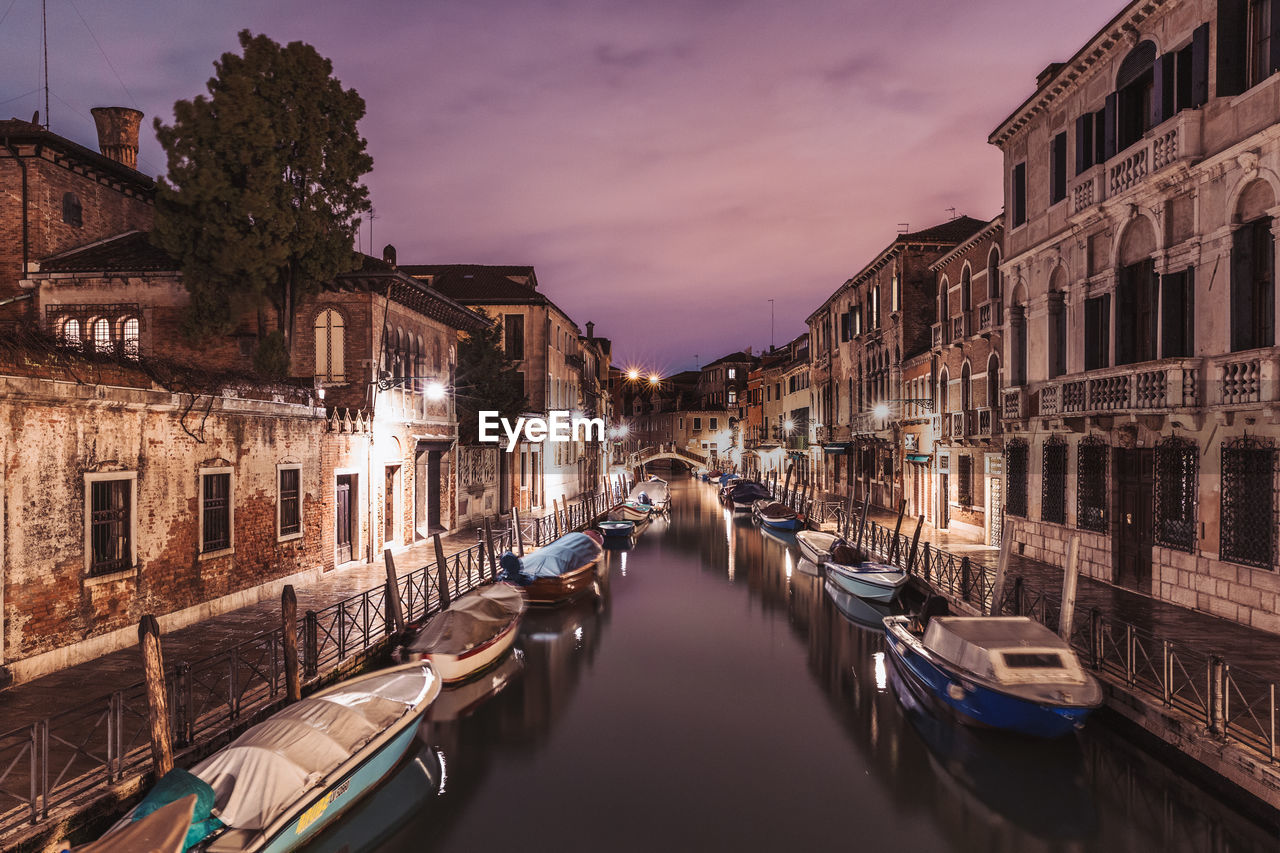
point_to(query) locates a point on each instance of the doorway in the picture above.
(391, 487)
(344, 518)
(1132, 540)
(944, 508)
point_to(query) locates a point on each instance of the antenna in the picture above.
(44, 36)
(952, 211)
(771, 325)
(904, 227)
(373, 214)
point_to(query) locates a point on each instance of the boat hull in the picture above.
(814, 546)
(626, 513)
(562, 588)
(619, 529)
(873, 586)
(456, 668)
(780, 523)
(971, 703)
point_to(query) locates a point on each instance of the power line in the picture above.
(100, 50)
(12, 3)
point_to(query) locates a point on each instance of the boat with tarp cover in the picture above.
(743, 495)
(654, 491)
(472, 634)
(286, 778)
(556, 572)
(1000, 672)
(779, 516)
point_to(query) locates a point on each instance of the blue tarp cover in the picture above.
(175, 785)
(569, 552)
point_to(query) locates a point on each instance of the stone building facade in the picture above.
(1142, 189)
(967, 348)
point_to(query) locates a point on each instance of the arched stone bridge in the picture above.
(645, 455)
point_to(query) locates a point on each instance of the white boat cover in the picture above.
(262, 772)
(471, 621)
(981, 644)
(656, 489)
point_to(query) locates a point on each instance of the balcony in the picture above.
(1246, 378)
(1152, 386)
(990, 317)
(957, 429)
(958, 330)
(1013, 404)
(988, 423)
(941, 335)
(1173, 141)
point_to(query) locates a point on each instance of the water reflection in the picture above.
(717, 695)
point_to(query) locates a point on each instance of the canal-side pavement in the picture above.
(31, 701)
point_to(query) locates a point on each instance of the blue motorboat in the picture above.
(776, 515)
(1001, 672)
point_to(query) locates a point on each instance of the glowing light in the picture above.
(435, 391)
(654, 379)
(881, 411)
(788, 555)
(882, 676)
(633, 374)
(789, 425)
(624, 564)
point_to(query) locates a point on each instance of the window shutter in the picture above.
(1165, 88)
(1084, 142)
(1242, 289)
(1200, 66)
(1275, 37)
(1109, 127)
(1233, 16)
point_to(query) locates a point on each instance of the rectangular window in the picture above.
(733, 397)
(1018, 204)
(1177, 468)
(513, 330)
(1097, 332)
(1015, 467)
(964, 480)
(733, 373)
(1178, 300)
(856, 313)
(1058, 168)
(289, 502)
(1053, 495)
(1260, 36)
(715, 424)
(1084, 142)
(215, 510)
(697, 424)
(1248, 521)
(846, 326)
(1253, 286)
(109, 534)
(1091, 485)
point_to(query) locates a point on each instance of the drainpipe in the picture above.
(25, 227)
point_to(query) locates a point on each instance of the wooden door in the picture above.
(343, 518)
(1133, 539)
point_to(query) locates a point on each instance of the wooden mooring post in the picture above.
(915, 544)
(442, 572)
(515, 531)
(1002, 568)
(897, 529)
(157, 697)
(488, 547)
(1069, 577)
(289, 639)
(393, 591)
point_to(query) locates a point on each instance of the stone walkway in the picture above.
(1250, 649)
(26, 703)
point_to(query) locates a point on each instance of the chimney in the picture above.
(591, 330)
(118, 133)
(389, 254)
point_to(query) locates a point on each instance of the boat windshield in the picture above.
(1033, 660)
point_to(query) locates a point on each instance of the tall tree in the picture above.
(263, 195)
(487, 380)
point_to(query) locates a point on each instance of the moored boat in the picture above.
(743, 495)
(619, 528)
(473, 633)
(872, 581)
(630, 511)
(815, 545)
(286, 778)
(1002, 672)
(654, 492)
(557, 572)
(776, 515)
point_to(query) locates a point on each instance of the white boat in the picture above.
(654, 492)
(473, 634)
(872, 581)
(288, 777)
(815, 545)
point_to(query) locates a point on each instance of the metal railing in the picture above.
(100, 743)
(1233, 703)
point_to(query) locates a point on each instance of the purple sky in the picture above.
(668, 166)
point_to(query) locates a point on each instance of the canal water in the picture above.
(714, 696)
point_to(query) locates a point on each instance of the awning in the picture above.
(917, 457)
(836, 447)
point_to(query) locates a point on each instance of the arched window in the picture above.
(330, 338)
(71, 332)
(993, 381)
(944, 313)
(100, 334)
(966, 280)
(1134, 86)
(966, 396)
(1253, 285)
(72, 213)
(942, 391)
(129, 337)
(993, 274)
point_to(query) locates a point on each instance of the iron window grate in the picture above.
(1177, 473)
(1053, 494)
(110, 527)
(290, 501)
(217, 512)
(1248, 529)
(1015, 466)
(1091, 484)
